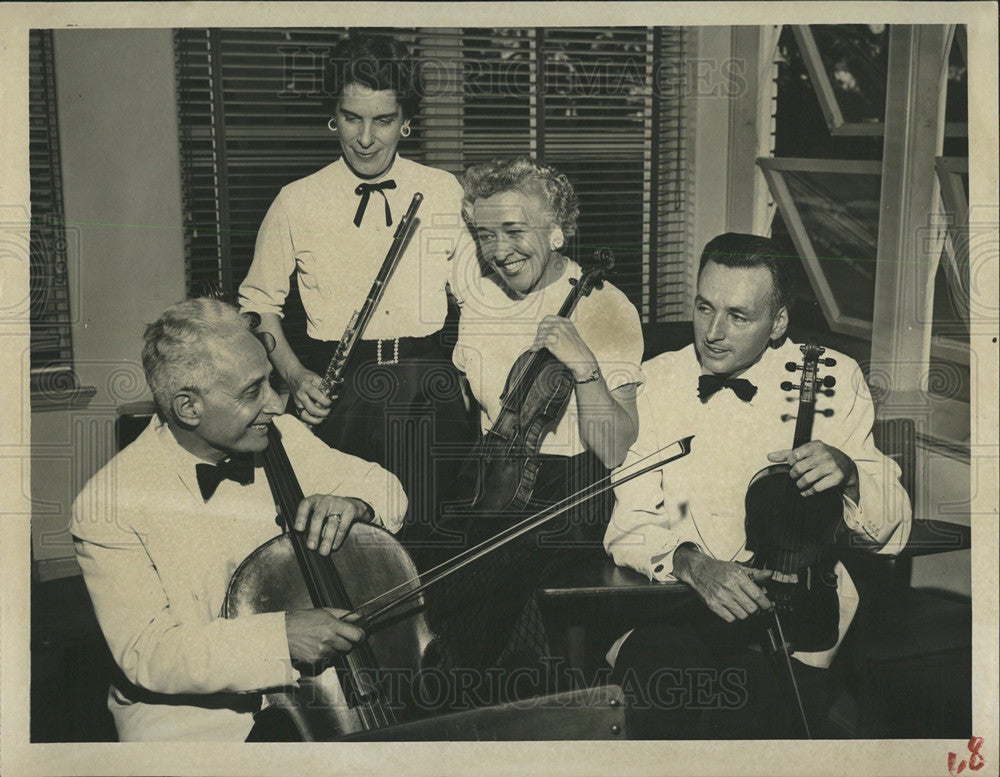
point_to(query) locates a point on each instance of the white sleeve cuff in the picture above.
(854, 517)
(661, 564)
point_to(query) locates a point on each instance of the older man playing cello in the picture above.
(161, 528)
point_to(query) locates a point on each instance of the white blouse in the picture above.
(309, 229)
(495, 330)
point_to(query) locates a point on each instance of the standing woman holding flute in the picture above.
(333, 229)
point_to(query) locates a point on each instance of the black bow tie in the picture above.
(238, 468)
(364, 190)
(709, 384)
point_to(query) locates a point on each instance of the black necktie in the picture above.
(238, 468)
(364, 190)
(709, 384)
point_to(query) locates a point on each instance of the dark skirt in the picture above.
(410, 417)
(485, 614)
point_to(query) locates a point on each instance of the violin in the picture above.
(534, 399)
(793, 536)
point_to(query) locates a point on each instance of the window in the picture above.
(829, 179)
(254, 107)
(53, 381)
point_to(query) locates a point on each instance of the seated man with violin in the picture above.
(767, 582)
(161, 528)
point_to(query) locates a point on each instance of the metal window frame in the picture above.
(774, 169)
(827, 96)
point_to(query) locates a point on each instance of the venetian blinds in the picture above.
(51, 343)
(254, 107)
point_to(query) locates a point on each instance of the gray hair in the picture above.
(177, 352)
(530, 177)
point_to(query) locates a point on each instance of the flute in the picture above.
(333, 377)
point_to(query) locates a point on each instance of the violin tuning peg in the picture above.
(786, 417)
(827, 412)
(572, 281)
(829, 381)
(787, 385)
(830, 362)
(791, 366)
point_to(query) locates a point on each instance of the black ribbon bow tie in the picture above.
(364, 190)
(709, 384)
(238, 468)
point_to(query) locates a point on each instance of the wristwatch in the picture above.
(595, 375)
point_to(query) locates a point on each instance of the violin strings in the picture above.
(522, 384)
(462, 559)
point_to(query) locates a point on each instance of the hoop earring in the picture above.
(405, 130)
(332, 125)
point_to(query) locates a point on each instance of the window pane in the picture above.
(800, 128)
(840, 213)
(856, 58)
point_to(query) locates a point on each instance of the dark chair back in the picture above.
(662, 336)
(897, 439)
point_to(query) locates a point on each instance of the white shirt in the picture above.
(309, 229)
(495, 330)
(700, 498)
(157, 560)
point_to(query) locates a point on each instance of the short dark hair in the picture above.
(379, 62)
(735, 249)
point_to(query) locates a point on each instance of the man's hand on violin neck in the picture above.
(316, 635)
(327, 519)
(817, 467)
(729, 589)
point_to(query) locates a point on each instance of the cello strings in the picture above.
(277, 466)
(446, 568)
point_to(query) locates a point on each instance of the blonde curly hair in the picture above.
(530, 177)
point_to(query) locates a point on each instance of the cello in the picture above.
(372, 576)
(793, 536)
(351, 694)
(534, 399)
